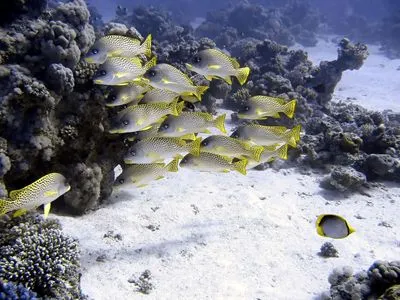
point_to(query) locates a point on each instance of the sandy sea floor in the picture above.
(229, 236)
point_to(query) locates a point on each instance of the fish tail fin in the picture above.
(195, 147)
(173, 107)
(147, 45)
(4, 204)
(200, 91)
(219, 123)
(293, 136)
(151, 63)
(173, 165)
(240, 166)
(256, 152)
(282, 152)
(289, 108)
(242, 74)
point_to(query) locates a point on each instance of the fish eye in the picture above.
(246, 108)
(95, 51)
(152, 73)
(133, 153)
(165, 126)
(184, 160)
(102, 72)
(125, 122)
(204, 143)
(197, 59)
(235, 135)
(121, 181)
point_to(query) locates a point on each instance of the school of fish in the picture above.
(165, 136)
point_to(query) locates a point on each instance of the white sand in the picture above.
(229, 236)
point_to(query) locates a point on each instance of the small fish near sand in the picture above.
(41, 192)
(333, 226)
(117, 46)
(269, 154)
(268, 135)
(210, 162)
(158, 149)
(165, 76)
(140, 175)
(213, 63)
(227, 146)
(262, 107)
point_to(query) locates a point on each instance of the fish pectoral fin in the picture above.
(228, 79)
(147, 128)
(142, 185)
(259, 112)
(226, 171)
(46, 209)
(51, 193)
(180, 129)
(139, 122)
(209, 77)
(206, 131)
(276, 116)
(160, 177)
(214, 67)
(19, 213)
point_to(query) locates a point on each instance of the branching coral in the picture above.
(37, 255)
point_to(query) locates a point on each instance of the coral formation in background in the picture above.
(381, 278)
(291, 23)
(35, 254)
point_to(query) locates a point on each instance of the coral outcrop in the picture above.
(36, 255)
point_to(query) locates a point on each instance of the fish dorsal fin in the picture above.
(274, 129)
(234, 62)
(14, 193)
(204, 115)
(268, 98)
(177, 71)
(136, 61)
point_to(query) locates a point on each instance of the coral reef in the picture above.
(344, 179)
(328, 250)
(10, 291)
(294, 22)
(37, 255)
(380, 278)
(52, 117)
